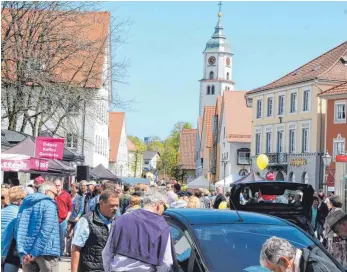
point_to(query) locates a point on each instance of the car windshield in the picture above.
(251, 195)
(238, 245)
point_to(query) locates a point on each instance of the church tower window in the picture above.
(212, 89)
(227, 76)
(208, 90)
(211, 75)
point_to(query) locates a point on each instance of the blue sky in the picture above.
(166, 41)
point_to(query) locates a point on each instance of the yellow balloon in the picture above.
(223, 205)
(262, 161)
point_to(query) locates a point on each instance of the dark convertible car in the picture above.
(224, 240)
(288, 200)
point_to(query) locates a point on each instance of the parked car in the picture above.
(288, 200)
(224, 240)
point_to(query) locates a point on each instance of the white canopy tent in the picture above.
(200, 182)
(228, 180)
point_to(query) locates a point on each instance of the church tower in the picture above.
(217, 75)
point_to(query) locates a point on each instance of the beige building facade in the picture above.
(288, 119)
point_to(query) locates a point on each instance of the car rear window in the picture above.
(236, 247)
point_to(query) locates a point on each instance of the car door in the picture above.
(186, 253)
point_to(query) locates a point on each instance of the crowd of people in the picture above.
(108, 227)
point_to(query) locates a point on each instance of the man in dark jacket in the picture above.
(277, 254)
(91, 233)
(322, 213)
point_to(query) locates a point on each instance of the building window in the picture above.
(146, 161)
(257, 143)
(243, 156)
(212, 89)
(71, 140)
(211, 75)
(293, 102)
(208, 90)
(227, 76)
(268, 142)
(280, 141)
(305, 135)
(339, 147)
(292, 177)
(259, 108)
(306, 99)
(340, 112)
(304, 178)
(292, 141)
(281, 105)
(269, 106)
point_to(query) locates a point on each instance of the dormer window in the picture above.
(211, 75)
(344, 60)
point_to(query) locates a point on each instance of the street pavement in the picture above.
(64, 265)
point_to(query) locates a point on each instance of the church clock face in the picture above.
(211, 60)
(228, 61)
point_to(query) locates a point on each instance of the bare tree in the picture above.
(53, 56)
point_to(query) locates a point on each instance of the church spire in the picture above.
(218, 38)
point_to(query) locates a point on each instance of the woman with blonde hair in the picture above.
(16, 195)
(134, 204)
(4, 197)
(193, 202)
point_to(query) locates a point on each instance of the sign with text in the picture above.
(341, 158)
(24, 165)
(49, 148)
(298, 162)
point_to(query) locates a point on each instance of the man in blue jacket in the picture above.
(37, 231)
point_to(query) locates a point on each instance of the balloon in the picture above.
(270, 176)
(223, 205)
(262, 161)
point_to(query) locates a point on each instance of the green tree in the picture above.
(176, 133)
(157, 146)
(135, 160)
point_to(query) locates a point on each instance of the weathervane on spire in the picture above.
(220, 9)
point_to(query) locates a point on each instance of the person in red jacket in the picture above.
(64, 203)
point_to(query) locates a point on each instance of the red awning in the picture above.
(15, 163)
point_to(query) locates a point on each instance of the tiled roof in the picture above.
(207, 124)
(340, 89)
(219, 108)
(200, 125)
(131, 145)
(238, 117)
(328, 66)
(148, 155)
(79, 68)
(116, 121)
(187, 148)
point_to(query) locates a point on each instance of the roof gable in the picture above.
(328, 66)
(238, 117)
(207, 126)
(148, 155)
(116, 122)
(337, 90)
(187, 148)
(131, 145)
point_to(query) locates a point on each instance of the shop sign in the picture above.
(341, 158)
(24, 165)
(49, 148)
(298, 162)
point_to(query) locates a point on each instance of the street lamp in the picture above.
(326, 161)
(225, 162)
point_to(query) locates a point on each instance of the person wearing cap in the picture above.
(38, 183)
(8, 220)
(337, 223)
